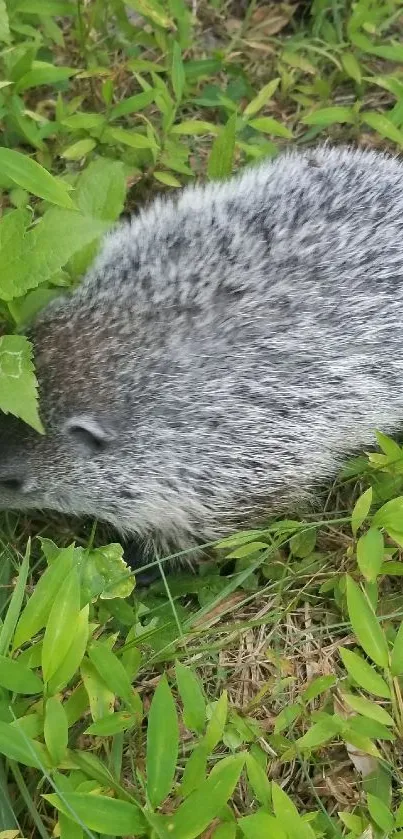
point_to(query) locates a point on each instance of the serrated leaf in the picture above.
(194, 706)
(221, 158)
(29, 175)
(60, 625)
(18, 383)
(55, 730)
(383, 125)
(204, 804)
(100, 813)
(370, 552)
(37, 610)
(268, 125)
(363, 674)
(365, 625)
(330, 116)
(17, 677)
(367, 708)
(264, 96)
(361, 510)
(162, 744)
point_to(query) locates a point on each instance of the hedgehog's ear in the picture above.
(89, 434)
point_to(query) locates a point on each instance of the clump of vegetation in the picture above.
(262, 696)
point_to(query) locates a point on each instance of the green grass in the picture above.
(283, 657)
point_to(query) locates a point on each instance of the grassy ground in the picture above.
(177, 92)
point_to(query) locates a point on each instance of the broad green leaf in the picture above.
(319, 733)
(74, 656)
(216, 724)
(367, 708)
(130, 138)
(14, 608)
(221, 158)
(104, 573)
(55, 730)
(101, 699)
(162, 744)
(4, 24)
(112, 671)
(16, 745)
(204, 804)
(365, 625)
(262, 825)
(194, 127)
(42, 73)
(167, 179)
(390, 515)
(194, 706)
(112, 724)
(268, 125)
(259, 781)
(359, 741)
(100, 813)
(380, 813)
(61, 625)
(383, 125)
(38, 608)
(330, 116)
(318, 686)
(370, 552)
(264, 96)
(248, 549)
(226, 830)
(78, 150)
(153, 10)
(288, 816)
(178, 77)
(29, 175)
(194, 772)
(45, 7)
(361, 510)
(396, 663)
(363, 674)
(18, 678)
(18, 383)
(287, 716)
(351, 66)
(132, 104)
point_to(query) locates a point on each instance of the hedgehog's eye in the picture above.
(89, 435)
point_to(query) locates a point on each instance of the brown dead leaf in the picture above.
(214, 615)
(269, 20)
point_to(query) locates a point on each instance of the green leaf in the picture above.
(153, 10)
(365, 625)
(42, 73)
(100, 813)
(112, 724)
(37, 610)
(259, 781)
(361, 510)
(396, 664)
(61, 624)
(167, 179)
(16, 745)
(78, 150)
(287, 814)
(178, 77)
(4, 24)
(318, 686)
(74, 656)
(194, 772)
(380, 813)
(205, 803)
(101, 190)
(221, 158)
(261, 825)
(112, 671)
(14, 608)
(56, 730)
(370, 552)
(132, 104)
(194, 706)
(383, 125)
(18, 678)
(216, 725)
(130, 138)
(351, 66)
(101, 699)
(363, 674)
(330, 116)
(162, 744)
(367, 708)
(29, 175)
(264, 96)
(194, 127)
(320, 733)
(268, 125)
(390, 515)
(18, 383)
